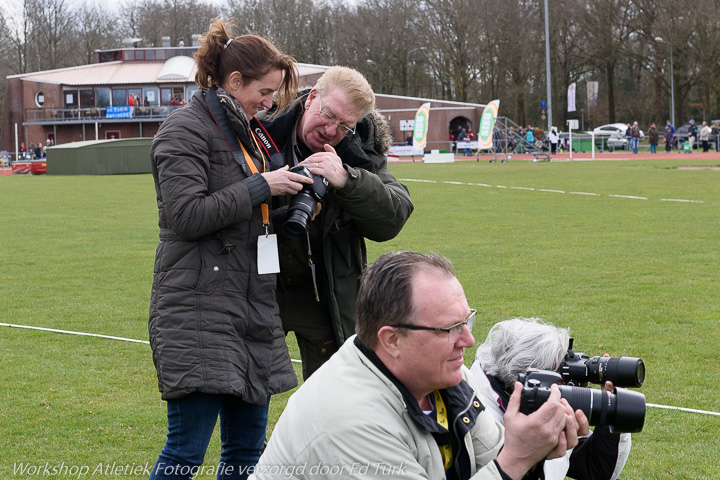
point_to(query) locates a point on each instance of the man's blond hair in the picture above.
(350, 81)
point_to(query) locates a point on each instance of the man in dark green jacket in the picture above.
(336, 133)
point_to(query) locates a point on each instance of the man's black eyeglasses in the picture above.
(457, 328)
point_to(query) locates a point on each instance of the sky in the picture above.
(16, 5)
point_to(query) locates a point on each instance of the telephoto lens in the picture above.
(579, 369)
(621, 412)
(622, 371)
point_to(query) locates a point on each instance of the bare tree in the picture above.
(452, 35)
(298, 27)
(95, 29)
(14, 53)
(704, 43)
(467, 50)
(52, 29)
(151, 20)
(381, 39)
(606, 26)
(521, 56)
(567, 41)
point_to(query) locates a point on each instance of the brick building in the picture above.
(94, 101)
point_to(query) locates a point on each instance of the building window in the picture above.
(102, 97)
(87, 99)
(136, 94)
(119, 97)
(112, 56)
(165, 96)
(151, 96)
(71, 98)
(39, 99)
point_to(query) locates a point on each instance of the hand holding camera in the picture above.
(303, 206)
(284, 182)
(329, 165)
(545, 433)
(323, 169)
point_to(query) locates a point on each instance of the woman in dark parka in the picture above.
(216, 337)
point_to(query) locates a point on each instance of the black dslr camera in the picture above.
(621, 412)
(579, 369)
(302, 206)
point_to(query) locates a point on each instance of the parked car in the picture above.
(681, 135)
(609, 141)
(617, 141)
(614, 128)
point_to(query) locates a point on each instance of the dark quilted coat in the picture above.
(214, 324)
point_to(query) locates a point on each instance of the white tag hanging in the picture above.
(268, 260)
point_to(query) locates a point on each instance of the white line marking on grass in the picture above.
(704, 412)
(75, 333)
(632, 197)
(531, 189)
(680, 200)
(84, 334)
(416, 180)
(133, 340)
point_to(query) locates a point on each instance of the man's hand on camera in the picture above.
(328, 165)
(530, 438)
(576, 425)
(282, 182)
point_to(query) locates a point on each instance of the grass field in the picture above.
(625, 253)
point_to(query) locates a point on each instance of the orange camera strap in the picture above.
(263, 207)
(221, 120)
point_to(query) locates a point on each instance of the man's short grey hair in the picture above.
(353, 83)
(386, 290)
(513, 346)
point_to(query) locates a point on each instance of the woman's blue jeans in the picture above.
(191, 421)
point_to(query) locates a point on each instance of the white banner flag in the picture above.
(592, 94)
(571, 97)
(487, 124)
(422, 122)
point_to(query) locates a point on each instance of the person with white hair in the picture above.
(514, 346)
(396, 401)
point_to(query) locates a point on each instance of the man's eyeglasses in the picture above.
(453, 331)
(333, 121)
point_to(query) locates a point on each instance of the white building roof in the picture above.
(177, 68)
(174, 70)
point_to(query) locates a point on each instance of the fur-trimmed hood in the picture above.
(383, 137)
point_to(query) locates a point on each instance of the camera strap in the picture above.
(272, 151)
(441, 415)
(236, 146)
